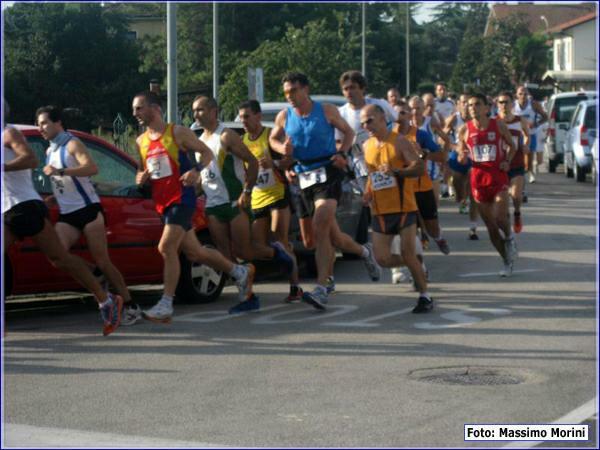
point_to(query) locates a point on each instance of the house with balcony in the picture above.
(575, 55)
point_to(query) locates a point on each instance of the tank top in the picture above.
(312, 137)
(444, 108)
(17, 185)
(526, 112)
(166, 163)
(485, 146)
(422, 183)
(516, 131)
(269, 187)
(223, 179)
(71, 193)
(391, 194)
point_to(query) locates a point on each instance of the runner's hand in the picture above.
(244, 201)
(287, 146)
(142, 177)
(339, 162)
(190, 178)
(50, 170)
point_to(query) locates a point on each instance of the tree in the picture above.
(529, 58)
(70, 55)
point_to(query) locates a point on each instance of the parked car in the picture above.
(133, 231)
(560, 111)
(351, 216)
(271, 109)
(578, 142)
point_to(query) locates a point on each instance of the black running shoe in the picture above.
(424, 305)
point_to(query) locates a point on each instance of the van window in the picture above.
(565, 107)
(590, 117)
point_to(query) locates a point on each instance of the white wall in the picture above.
(576, 48)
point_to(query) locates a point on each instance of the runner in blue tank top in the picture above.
(306, 131)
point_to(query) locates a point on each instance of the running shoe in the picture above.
(524, 197)
(371, 265)
(330, 286)
(283, 256)
(517, 223)
(295, 295)
(400, 275)
(250, 305)
(510, 249)
(317, 298)
(132, 313)
(111, 314)
(473, 234)
(463, 208)
(531, 178)
(443, 246)
(162, 312)
(424, 241)
(507, 270)
(424, 305)
(244, 284)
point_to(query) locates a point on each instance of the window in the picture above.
(115, 177)
(590, 118)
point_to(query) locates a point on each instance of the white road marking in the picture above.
(367, 323)
(217, 315)
(496, 274)
(330, 312)
(578, 415)
(16, 435)
(460, 318)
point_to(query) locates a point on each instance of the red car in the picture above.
(133, 230)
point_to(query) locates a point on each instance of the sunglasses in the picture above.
(369, 121)
(502, 102)
(403, 112)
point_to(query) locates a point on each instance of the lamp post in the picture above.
(215, 51)
(172, 62)
(407, 49)
(543, 18)
(364, 52)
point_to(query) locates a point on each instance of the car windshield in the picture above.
(590, 118)
(565, 107)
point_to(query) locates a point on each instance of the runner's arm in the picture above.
(278, 141)
(526, 137)
(537, 107)
(25, 157)
(187, 139)
(337, 121)
(233, 142)
(415, 166)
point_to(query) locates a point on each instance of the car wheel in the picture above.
(8, 276)
(578, 172)
(199, 283)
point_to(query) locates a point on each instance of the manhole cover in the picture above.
(470, 376)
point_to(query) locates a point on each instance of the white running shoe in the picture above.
(373, 269)
(131, 314)
(161, 312)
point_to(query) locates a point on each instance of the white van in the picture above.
(560, 111)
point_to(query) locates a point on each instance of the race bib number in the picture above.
(381, 180)
(484, 153)
(159, 167)
(317, 176)
(265, 179)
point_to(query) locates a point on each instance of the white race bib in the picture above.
(311, 177)
(265, 179)
(159, 167)
(484, 153)
(381, 180)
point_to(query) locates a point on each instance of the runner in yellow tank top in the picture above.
(270, 201)
(391, 162)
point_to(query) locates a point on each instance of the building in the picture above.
(146, 25)
(574, 54)
(540, 17)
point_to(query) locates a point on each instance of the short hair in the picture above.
(440, 84)
(506, 94)
(151, 98)
(354, 76)
(210, 101)
(54, 113)
(252, 105)
(295, 77)
(416, 98)
(479, 96)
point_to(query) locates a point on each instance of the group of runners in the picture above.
(399, 153)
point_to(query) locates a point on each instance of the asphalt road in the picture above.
(367, 373)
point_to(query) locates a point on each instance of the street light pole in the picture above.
(216, 51)
(364, 52)
(407, 49)
(172, 62)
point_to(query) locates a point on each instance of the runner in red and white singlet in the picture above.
(483, 140)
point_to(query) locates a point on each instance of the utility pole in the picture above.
(216, 51)
(172, 116)
(407, 49)
(364, 51)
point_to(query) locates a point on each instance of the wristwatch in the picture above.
(247, 191)
(61, 172)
